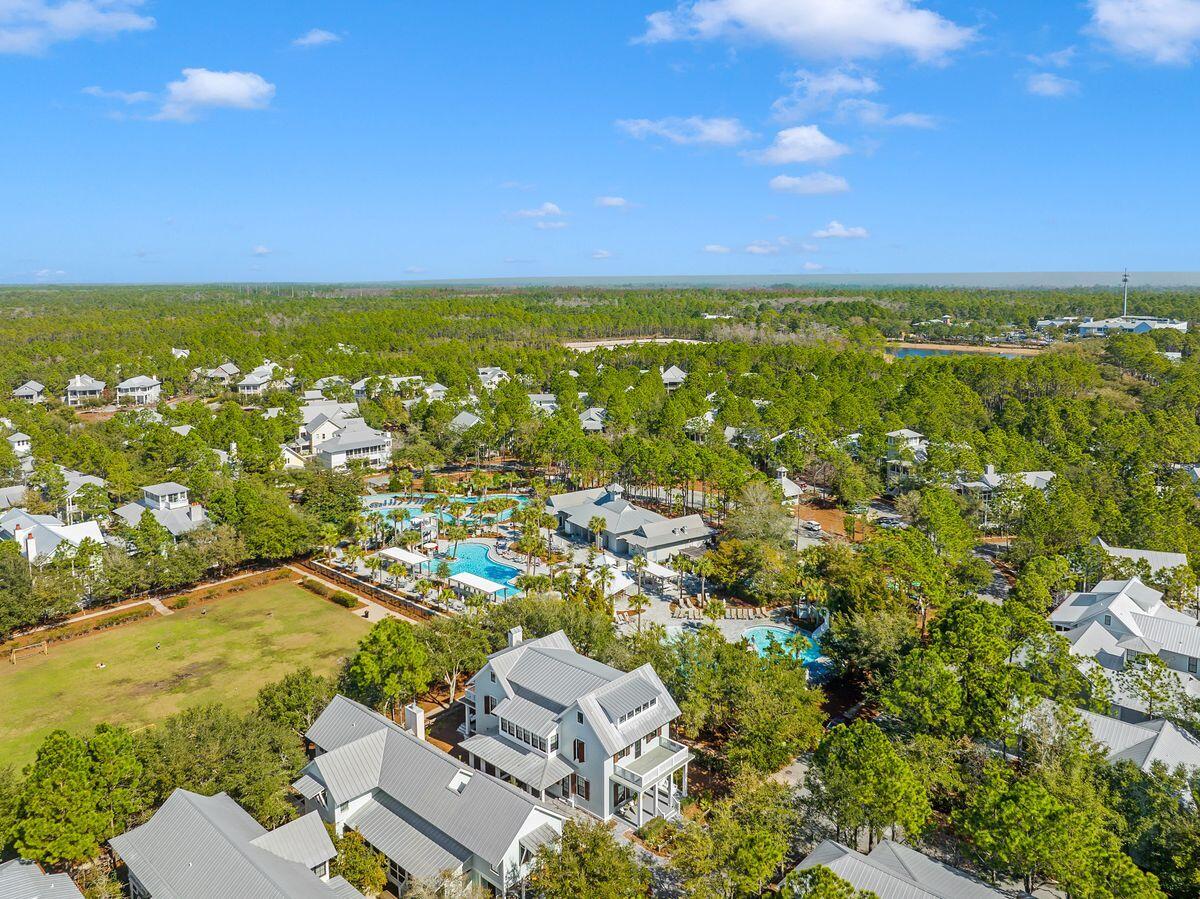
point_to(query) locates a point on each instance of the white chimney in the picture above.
(515, 635)
(991, 469)
(196, 512)
(414, 720)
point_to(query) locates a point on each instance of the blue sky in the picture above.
(390, 140)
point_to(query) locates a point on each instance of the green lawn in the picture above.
(223, 656)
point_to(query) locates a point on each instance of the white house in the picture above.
(21, 443)
(259, 380)
(629, 529)
(563, 725)
(40, 538)
(141, 390)
(202, 847)
(1157, 560)
(545, 403)
(1116, 621)
(435, 392)
(593, 419)
(464, 421)
(170, 506)
(358, 444)
(1143, 743)
(75, 482)
(1130, 324)
(224, 374)
(23, 879)
(30, 392)
(83, 389)
(492, 377)
(905, 450)
(673, 377)
(367, 387)
(179, 353)
(430, 815)
(895, 871)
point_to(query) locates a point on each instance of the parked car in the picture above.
(814, 526)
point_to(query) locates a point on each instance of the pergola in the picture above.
(409, 559)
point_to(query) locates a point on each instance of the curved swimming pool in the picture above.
(762, 636)
(473, 559)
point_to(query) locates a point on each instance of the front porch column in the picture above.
(641, 795)
(683, 790)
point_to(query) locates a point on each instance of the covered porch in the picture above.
(652, 785)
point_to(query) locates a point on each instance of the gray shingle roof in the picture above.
(207, 847)
(485, 816)
(23, 879)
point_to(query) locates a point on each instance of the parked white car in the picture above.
(814, 526)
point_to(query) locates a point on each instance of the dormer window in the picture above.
(1108, 620)
(643, 707)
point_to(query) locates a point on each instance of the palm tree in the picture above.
(639, 565)
(410, 538)
(714, 610)
(422, 587)
(375, 565)
(396, 571)
(351, 554)
(457, 533)
(639, 604)
(596, 525)
(683, 565)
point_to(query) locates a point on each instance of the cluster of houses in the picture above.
(1121, 324)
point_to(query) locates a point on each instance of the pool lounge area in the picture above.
(473, 559)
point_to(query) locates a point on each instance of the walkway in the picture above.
(375, 612)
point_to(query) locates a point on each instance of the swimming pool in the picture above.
(760, 638)
(389, 503)
(473, 559)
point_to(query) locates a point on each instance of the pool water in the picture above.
(473, 559)
(379, 503)
(761, 637)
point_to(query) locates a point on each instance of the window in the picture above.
(489, 703)
(579, 717)
(583, 788)
(579, 752)
(1192, 661)
(1107, 620)
(492, 676)
(554, 742)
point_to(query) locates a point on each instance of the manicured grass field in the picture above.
(242, 642)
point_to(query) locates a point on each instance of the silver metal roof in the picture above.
(304, 840)
(23, 879)
(623, 698)
(205, 847)
(893, 871)
(542, 835)
(526, 714)
(419, 849)
(307, 787)
(485, 816)
(525, 764)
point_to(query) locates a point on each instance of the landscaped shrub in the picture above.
(656, 834)
(180, 602)
(315, 586)
(345, 599)
(79, 628)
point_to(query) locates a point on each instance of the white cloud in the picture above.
(836, 229)
(808, 185)
(613, 202)
(815, 91)
(875, 115)
(695, 129)
(260, 250)
(539, 212)
(203, 89)
(717, 249)
(602, 254)
(31, 26)
(1161, 31)
(803, 143)
(762, 248)
(813, 266)
(829, 28)
(1047, 84)
(1058, 59)
(316, 37)
(414, 270)
(128, 97)
(549, 226)
(44, 274)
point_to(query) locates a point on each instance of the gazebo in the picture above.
(409, 559)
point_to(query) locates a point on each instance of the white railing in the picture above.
(679, 755)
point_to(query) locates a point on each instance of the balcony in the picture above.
(662, 758)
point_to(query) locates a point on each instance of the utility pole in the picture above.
(1125, 282)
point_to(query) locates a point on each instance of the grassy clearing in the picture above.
(224, 655)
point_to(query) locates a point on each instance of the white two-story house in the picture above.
(169, 504)
(563, 726)
(83, 389)
(141, 390)
(432, 817)
(1116, 621)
